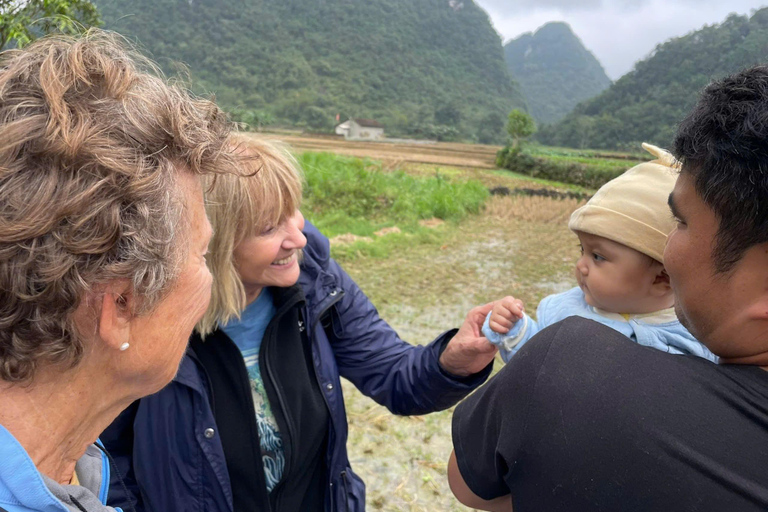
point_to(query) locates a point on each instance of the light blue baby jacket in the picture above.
(660, 330)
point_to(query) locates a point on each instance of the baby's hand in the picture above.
(505, 313)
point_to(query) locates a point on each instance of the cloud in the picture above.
(527, 6)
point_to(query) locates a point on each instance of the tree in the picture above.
(22, 21)
(520, 126)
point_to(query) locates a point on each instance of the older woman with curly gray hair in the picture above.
(103, 236)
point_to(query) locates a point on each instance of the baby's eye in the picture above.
(597, 257)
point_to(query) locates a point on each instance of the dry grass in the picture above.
(476, 156)
(348, 238)
(531, 208)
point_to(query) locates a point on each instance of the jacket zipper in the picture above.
(283, 409)
(288, 434)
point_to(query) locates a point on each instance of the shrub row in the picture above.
(578, 173)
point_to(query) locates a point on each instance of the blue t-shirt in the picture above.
(247, 333)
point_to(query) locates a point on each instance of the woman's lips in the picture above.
(285, 261)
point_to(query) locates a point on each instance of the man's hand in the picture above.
(469, 351)
(506, 312)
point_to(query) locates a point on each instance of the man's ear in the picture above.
(661, 285)
(115, 318)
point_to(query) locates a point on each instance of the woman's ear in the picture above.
(115, 319)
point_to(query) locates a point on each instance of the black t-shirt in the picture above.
(582, 419)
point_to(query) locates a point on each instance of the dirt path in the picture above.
(440, 153)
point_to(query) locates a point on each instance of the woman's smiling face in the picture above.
(271, 258)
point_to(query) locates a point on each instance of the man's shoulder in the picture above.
(579, 333)
(576, 348)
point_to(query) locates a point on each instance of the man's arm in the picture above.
(489, 429)
(465, 495)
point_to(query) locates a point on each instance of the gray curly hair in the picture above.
(91, 144)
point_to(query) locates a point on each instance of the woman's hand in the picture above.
(469, 351)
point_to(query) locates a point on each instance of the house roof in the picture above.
(368, 123)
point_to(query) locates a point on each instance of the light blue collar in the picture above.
(23, 488)
(21, 484)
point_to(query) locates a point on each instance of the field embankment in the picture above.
(454, 154)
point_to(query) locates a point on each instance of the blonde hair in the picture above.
(240, 206)
(91, 145)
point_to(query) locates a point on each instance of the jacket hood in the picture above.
(315, 278)
(317, 252)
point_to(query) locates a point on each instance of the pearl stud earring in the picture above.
(124, 346)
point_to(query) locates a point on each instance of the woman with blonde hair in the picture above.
(255, 419)
(103, 234)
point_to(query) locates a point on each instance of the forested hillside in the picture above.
(555, 71)
(417, 66)
(647, 104)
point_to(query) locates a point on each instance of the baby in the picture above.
(622, 231)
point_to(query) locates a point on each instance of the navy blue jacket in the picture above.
(165, 445)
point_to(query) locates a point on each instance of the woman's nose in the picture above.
(295, 238)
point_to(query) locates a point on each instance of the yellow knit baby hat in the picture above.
(632, 209)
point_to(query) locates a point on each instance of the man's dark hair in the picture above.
(723, 146)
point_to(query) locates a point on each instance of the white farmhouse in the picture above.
(343, 129)
(362, 129)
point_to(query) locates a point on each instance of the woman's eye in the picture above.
(267, 231)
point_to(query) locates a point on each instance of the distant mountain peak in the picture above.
(555, 70)
(554, 27)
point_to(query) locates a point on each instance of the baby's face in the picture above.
(614, 277)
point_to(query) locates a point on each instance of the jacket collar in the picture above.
(22, 484)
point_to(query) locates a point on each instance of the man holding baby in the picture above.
(582, 419)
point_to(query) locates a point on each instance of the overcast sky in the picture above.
(618, 32)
